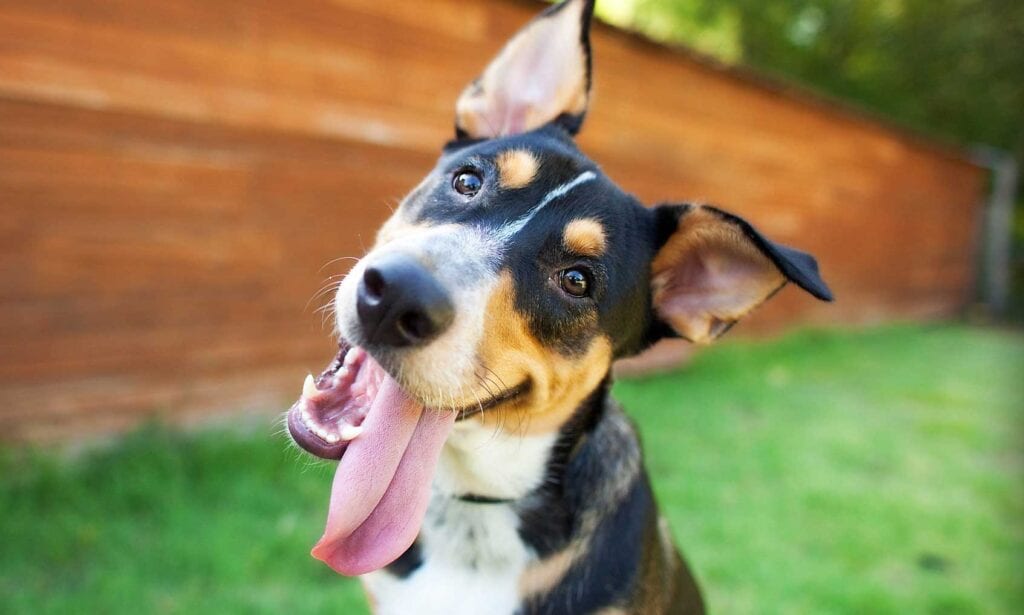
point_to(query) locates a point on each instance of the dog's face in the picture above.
(504, 286)
(519, 271)
(516, 272)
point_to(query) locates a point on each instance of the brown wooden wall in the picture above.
(176, 178)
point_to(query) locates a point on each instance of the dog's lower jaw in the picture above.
(577, 532)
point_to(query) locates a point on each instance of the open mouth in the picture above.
(388, 445)
(334, 405)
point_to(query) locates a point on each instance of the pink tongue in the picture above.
(382, 485)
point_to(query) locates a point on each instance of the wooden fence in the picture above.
(177, 178)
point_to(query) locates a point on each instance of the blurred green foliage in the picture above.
(857, 472)
(949, 68)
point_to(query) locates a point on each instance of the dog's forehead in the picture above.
(537, 186)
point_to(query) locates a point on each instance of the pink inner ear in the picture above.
(714, 282)
(522, 96)
(540, 74)
(710, 282)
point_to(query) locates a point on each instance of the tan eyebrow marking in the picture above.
(585, 237)
(516, 168)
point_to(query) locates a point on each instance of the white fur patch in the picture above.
(473, 559)
(497, 464)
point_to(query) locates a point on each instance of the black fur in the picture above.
(608, 575)
(408, 563)
(547, 518)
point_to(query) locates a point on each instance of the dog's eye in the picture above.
(574, 282)
(467, 183)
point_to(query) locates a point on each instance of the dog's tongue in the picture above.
(382, 485)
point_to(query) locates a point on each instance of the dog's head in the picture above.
(506, 284)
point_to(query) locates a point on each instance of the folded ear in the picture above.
(712, 268)
(542, 75)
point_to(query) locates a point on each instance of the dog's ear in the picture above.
(541, 76)
(712, 268)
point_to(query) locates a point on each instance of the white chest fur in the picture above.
(473, 556)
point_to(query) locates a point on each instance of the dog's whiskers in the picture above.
(336, 260)
(330, 286)
(501, 382)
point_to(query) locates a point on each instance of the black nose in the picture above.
(401, 304)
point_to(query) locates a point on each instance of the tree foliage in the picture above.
(950, 68)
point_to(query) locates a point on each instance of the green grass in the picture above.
(870, 472)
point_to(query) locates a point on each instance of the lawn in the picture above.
(841, 472)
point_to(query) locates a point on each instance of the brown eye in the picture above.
(467, 183)
(574, 282)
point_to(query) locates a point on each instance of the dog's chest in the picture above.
(472, 558)
(472, 554)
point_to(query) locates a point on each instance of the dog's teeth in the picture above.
(309, 389)
(332, 438)
(310, 423)
(353, 356)
(340, 375)
(350, 432)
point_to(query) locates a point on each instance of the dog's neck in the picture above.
(501, 463)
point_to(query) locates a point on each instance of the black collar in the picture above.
(473, 498)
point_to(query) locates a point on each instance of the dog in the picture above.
(484, 467)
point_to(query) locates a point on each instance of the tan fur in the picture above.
(585, 237)
(559, 383)
(542, 576)
(658, 571)
(371, 600)
(701, 313)
(516, 168)
(668, 547)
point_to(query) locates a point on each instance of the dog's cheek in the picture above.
(570, 380)
(506, 346)
(512, 353)
(569, 334)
